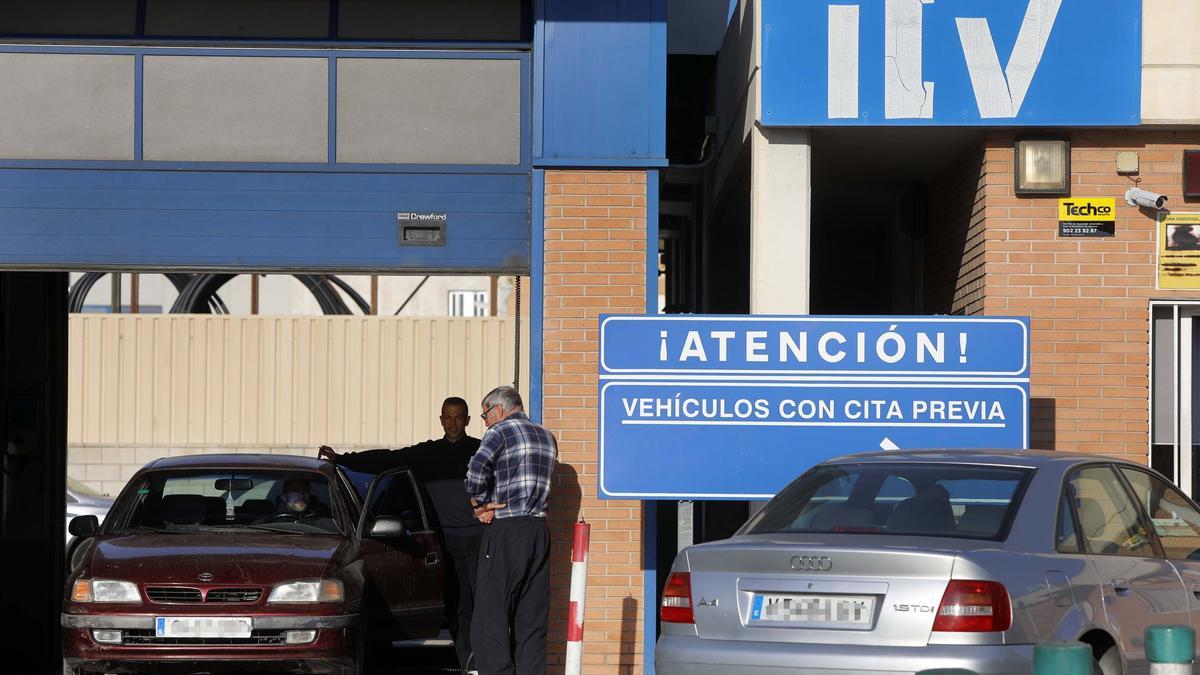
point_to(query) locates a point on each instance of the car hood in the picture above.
(251, 558)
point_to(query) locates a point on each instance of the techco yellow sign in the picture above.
(1087, 210)
(1087, 217)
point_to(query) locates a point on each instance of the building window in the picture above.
(468, 303)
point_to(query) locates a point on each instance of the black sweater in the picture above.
(438, 465)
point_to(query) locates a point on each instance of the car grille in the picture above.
(173, 594)
(180, 595)
(233, 595)
(257, 638)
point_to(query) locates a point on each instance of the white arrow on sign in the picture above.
(887, 444)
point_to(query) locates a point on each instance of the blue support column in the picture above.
(537, 225)
(650, 510)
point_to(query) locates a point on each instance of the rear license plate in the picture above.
(202, 627)
(814, 611)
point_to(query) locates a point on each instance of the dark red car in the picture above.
(262, 563)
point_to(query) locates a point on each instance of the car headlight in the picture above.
(104, 590)
(318, 590)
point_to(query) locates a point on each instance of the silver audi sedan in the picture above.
(900, 562)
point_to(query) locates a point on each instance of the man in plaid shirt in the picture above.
(508, 481)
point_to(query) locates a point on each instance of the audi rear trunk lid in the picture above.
(738, 586)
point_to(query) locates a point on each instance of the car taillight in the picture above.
(677, 599)
(974, 607)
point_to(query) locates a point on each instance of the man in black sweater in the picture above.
(439, 465)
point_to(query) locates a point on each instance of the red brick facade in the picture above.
(1089, 299)
(595, 263)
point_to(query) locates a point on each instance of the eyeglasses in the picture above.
(489, 409)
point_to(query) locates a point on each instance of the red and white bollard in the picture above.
(578, 592)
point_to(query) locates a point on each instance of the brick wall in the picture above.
(1088, 298)
(595, 262)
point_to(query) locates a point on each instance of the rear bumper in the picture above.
(690, 655)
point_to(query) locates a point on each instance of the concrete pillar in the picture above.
(780, 220)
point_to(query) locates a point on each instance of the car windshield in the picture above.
(228, 501)
(926, 499)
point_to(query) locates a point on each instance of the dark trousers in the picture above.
(464, 557)
(512, 597)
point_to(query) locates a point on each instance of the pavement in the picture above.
(412, 661)
(417, 661)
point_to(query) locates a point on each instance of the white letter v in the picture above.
(1000, 94)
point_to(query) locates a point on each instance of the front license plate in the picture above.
(814, 611)
(202, 627)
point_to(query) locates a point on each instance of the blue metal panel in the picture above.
(331, 113)
(1087, 72)
(601, 82)
(537, 276)
(138, 78)
(240, 220)
(650, 508)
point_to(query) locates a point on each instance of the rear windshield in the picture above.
(939, 500)
(228, 501)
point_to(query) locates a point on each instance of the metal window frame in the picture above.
(1182, 387)
(330, 38)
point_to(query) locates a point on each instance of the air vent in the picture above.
(173, 594)
(233, 595)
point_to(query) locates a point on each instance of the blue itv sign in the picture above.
(951, 62)
(722, 407)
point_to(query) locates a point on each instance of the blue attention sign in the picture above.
(951, 62)
(721, 407)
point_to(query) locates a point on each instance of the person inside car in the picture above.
(296, 500)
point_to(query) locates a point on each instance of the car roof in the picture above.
(1007, 457)
(242, 461)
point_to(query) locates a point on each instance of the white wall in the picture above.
(1170, 62)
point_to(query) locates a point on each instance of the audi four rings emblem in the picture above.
(812, 563)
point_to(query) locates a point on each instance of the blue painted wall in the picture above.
(291, 220)
(600, 83)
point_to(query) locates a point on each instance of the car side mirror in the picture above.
(84, 526)
(387, 527)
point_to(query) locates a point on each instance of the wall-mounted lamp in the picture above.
(1043, 167)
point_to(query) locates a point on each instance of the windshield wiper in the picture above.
(271, 528)
(147, 528)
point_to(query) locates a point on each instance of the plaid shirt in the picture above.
(513, 466)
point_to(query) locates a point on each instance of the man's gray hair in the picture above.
(506, 398)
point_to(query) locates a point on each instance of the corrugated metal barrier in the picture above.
(260, 382)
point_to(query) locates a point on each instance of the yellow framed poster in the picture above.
(1179, 251)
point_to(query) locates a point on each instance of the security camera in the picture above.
(1144, 198)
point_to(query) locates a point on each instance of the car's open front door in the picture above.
(402, 559)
